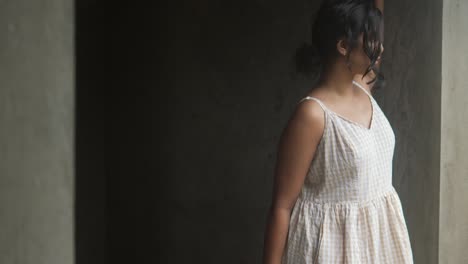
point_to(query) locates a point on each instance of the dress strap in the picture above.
(362, 87)
(315, 99)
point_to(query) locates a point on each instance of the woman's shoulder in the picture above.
(308, 116)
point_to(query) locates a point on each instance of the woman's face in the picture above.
(359, 61)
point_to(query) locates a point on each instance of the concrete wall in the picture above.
(199, 95)
(140, 154)
(36, 132)
(454, 147)
(232, 90)
(90, 178)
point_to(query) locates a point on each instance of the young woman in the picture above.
(333, 198)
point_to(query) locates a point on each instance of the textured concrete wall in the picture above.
(36, 132)
(454, 147)
(231, 92)
(90, 181)
(140, 154)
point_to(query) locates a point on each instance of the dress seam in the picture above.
(391, 191)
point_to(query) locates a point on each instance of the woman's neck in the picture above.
(337, 79)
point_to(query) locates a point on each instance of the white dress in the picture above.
(348, 210)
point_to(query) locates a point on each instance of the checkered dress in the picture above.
(348, 210)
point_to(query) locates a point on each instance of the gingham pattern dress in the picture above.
(348, 210)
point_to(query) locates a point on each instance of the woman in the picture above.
(333, 198)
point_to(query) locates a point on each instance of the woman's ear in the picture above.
(341, 47)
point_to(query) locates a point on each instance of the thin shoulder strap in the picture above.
(315, 99)
(364, 89)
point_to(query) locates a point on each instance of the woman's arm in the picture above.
(296, 149)
(380, 5)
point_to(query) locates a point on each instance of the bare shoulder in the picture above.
(307, 122)
(309, 111)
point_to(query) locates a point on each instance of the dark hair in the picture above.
(346, 19)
